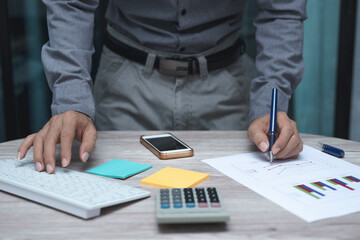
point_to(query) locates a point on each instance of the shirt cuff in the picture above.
(260, 103)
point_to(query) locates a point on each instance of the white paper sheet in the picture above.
(313, 170)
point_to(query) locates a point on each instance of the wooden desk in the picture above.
(252, 216)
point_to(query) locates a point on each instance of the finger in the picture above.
(66, 139)
(88, 140)
(294, 146)
(51, 139)
(286, 131)
(25, 146)
(38, 151)
(257, 133)
(294, 141)
(292, 149)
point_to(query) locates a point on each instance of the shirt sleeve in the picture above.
(279, 61)
(66, 57)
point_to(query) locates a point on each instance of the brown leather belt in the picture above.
(179, 67)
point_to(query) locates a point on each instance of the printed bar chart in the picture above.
(322, 187)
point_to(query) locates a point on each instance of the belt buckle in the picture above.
(176, 67)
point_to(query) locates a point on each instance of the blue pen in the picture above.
(272, 128)
(337, 152)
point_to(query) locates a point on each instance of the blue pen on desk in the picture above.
(337, 152)
(272, 128)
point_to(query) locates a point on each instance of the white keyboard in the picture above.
(77, 193)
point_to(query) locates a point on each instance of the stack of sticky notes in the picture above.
(175, 178)
(117, 168)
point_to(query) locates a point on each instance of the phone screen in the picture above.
(166, 143)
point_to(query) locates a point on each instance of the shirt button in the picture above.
(183, 12)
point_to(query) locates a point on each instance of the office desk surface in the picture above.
(252, 216)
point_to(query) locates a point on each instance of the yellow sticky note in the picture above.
(175, 178)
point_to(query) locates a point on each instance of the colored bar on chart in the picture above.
(305, 191)
(322, 186)
(338, 182)
(315, 184)
(312, 190)
(308, 190)
(352, 179)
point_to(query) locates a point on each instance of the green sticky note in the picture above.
(117, 168)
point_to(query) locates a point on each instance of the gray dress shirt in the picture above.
(186, 26)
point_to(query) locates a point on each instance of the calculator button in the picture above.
(176, 191)
(164, 206)
(201, 199)
(203, 205)
(189, 194)
(191, 199)
(211, 190)
(190, 205)
(177, 201)
(212, 194)
(214, 199)
(178, 205)
(199, 190)
(215, 205)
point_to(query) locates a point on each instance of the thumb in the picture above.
(88, 140)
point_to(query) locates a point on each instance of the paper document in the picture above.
(313, 186)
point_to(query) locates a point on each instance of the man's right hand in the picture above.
(62, 128)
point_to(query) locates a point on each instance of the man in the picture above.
(168, 65)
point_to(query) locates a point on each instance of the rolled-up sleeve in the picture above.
(279, 61)
(66, 57)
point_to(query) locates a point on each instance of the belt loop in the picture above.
(149, 65)
(203, 67)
